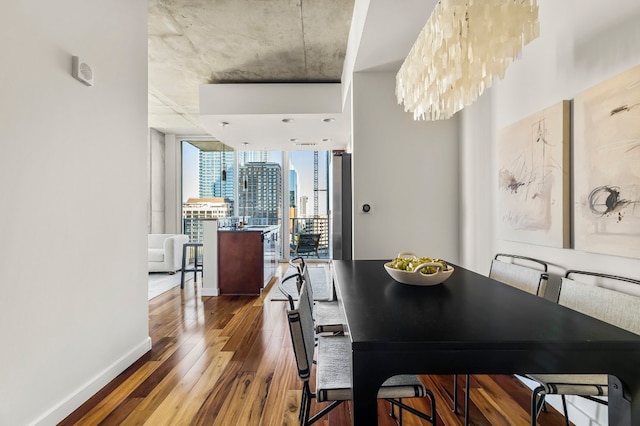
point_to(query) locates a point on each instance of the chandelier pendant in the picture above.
(463, 47)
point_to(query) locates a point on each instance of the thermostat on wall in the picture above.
(82, 71)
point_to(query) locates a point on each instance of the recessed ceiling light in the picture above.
(329, 120)
(224, 123)
(293, 140)
(287, 120)
(245, 143)
(326, 139)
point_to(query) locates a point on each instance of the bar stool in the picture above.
(197, 267)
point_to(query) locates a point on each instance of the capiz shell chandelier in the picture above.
(464, 45)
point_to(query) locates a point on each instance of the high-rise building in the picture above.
(246, 157)
(304, 201)
(216, 175)
(196, 209)
(260, 192)
(293, 188)
(293, 196)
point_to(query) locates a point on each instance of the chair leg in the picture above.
(195, 264)
(433, 407)
(466, 397)
(455, 394)
(537, 402)
(307, 409)
(403, 406)
(566, 413)
(305, 405)
(184, 255)
(303, 402)
(466, 401)
(322, 412)
(310, 397)
(392, 412)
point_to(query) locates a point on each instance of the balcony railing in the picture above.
(297, 225)
(312, 225)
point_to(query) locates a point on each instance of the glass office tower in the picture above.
(216, 174)
(260, 193)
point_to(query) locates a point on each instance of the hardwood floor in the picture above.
(228, 361)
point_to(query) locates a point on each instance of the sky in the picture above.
(302, 162)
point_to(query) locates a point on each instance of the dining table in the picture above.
(472, 324)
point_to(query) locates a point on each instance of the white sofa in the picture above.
(165, 252)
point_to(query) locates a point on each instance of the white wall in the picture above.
(173, 184)
(407, 171)
(165, 183)
(73, 184)
(476, 207)
(582, 43)
(157, 190)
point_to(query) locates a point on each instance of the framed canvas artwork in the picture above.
(533, 178)
(607, 167)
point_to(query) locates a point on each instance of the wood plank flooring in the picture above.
(228, 361)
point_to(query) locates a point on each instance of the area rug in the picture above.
(159, 282)
(319, 279)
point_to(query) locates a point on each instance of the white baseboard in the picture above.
(80, 396)
(208, 291)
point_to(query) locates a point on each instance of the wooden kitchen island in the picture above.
(247, 258)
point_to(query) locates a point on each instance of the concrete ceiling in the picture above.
(195, 42)
(197, 45)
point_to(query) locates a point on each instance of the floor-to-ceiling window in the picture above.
(208, 184)
(308, 202)
(256, 188)
(260, 187)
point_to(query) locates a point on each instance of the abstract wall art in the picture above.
(533, 178)
(607, 167)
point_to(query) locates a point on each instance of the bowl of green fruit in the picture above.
(408, 268)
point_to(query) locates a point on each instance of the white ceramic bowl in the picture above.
(418, 278)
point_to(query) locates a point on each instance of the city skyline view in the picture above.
(300, 161)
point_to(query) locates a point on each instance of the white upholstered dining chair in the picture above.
(327, 314)
(522, 272)
(333, 369)
(609, 298)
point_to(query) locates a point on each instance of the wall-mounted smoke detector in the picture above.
(81, 71)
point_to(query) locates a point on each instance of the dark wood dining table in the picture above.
(476, 325)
